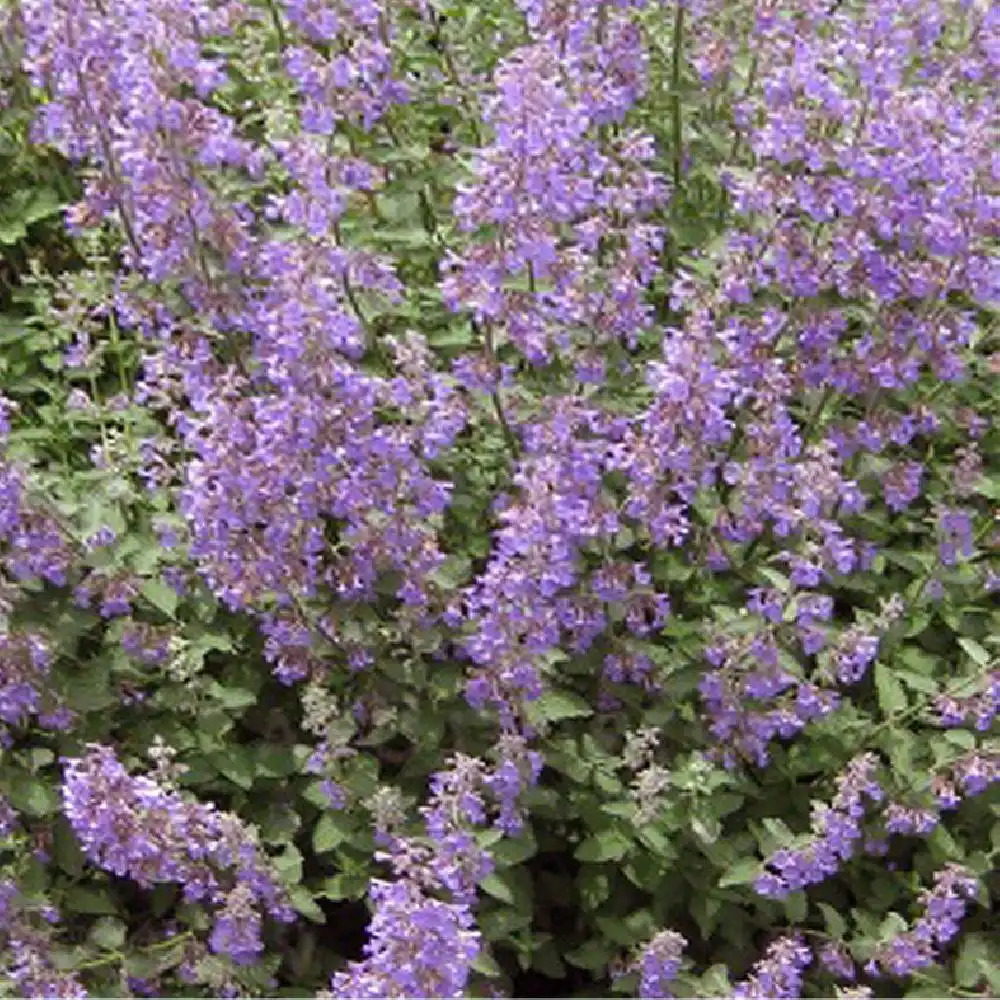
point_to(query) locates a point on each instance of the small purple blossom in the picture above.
(659, 962)
(834, 957)
(779, 973)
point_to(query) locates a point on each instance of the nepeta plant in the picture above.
(525, 473)
(134, 827)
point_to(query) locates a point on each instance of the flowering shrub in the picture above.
(499, 498)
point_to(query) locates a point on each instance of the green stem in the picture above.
(349, 291)
(117, 956)
(279, 28)
(489, 348)
(751, 80)
(116, 346)
(675, 92)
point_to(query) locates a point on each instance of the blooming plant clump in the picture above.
(499, 498)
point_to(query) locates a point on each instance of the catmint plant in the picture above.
(499, 498)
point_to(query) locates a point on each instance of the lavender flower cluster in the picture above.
(779, 973)
(837, 831)
(421, 944)
(134, 827)
(944, 906)
(25, 931)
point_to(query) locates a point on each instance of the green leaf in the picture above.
(12, 231)
(500, 924)
(43, 203)
(30, 794)
(486, 965)
(207, 642)
(776, 835)
(546, 958)
(288, 864)
(715, 982)
(657, 841)
(960, 738)
(274, 761)
(616, 931)
(976, 652)
(608, 845)
(108, 933)
(498, 887)
(92, 689)
(515, 850)
(564, 756)
(594, 887)
(556, 705)
(148, 964)
(40, 757)
(237, 764)
(891, 696)
(66, 851)
(345, 886)
(594, 954)
(303, 902)
(742, 872)
(918, 682)
(705, 909)
(796, 907)
(641, 924)
(328, 834)
(162, 596)
(84, 899)
(836, 926)
(706, 829)
(231, 697)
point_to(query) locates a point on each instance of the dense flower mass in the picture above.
(513, 467)
(836, 833)
(779, 973)
(659, 964)
(133, 826)
(419, 946)
(944, 906)
(30, 968)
